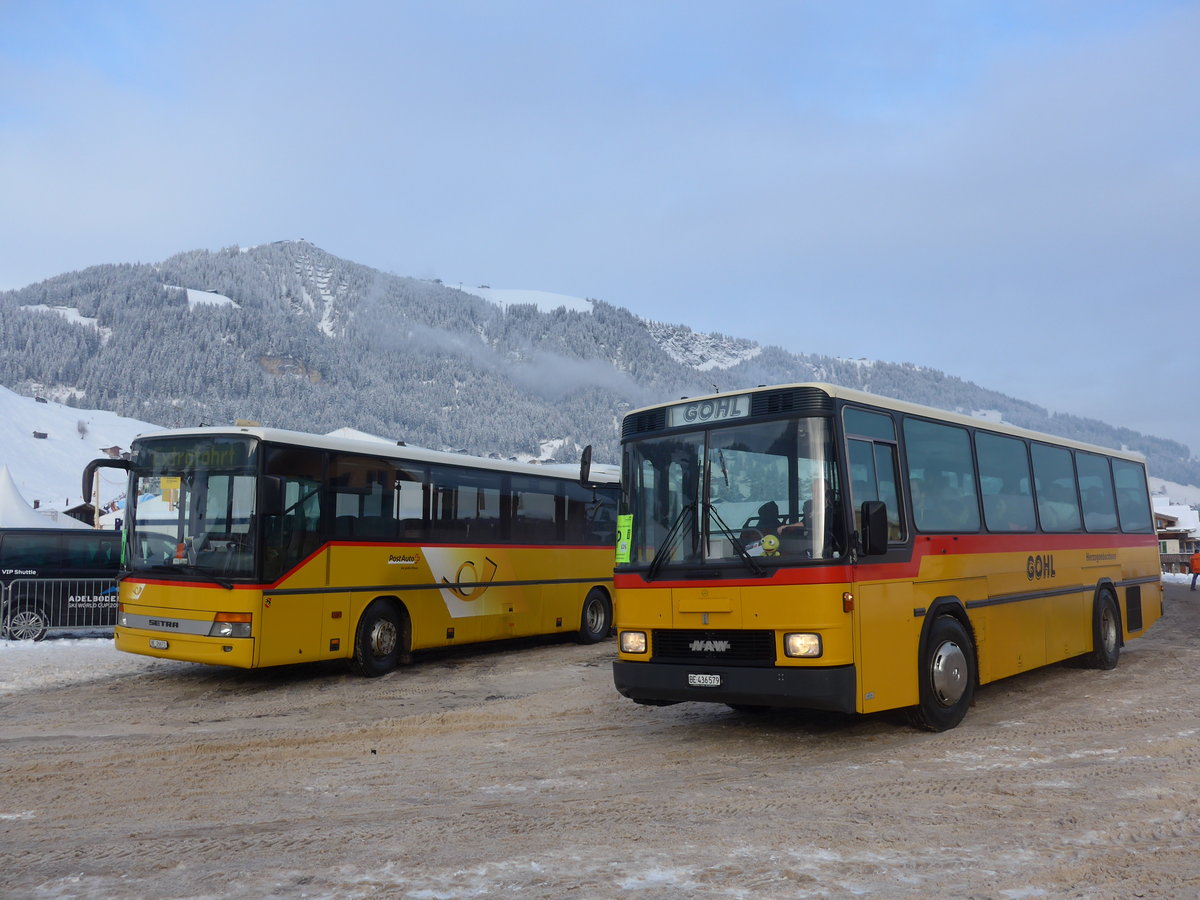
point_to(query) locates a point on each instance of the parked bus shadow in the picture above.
(812, 721)
(484, 655)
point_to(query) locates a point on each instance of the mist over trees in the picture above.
(313, 342)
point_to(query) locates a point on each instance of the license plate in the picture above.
(696, 680)
(156, 644)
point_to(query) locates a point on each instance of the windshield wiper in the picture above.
(750, 561)
(204, 573)
(186, 567)
(668, 544)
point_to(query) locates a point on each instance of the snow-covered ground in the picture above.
(64, 659)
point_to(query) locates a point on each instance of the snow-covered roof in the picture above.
(1186, 518)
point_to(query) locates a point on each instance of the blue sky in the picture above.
(1007, 191)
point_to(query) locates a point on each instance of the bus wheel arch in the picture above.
(947, 668)
(1107, 634)
(596, 617)
(382, 638)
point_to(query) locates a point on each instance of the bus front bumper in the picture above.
(237, 652)
(830, 688)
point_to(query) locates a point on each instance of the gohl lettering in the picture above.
(1040, 566)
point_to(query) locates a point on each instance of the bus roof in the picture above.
(600, 474)
(855, 396)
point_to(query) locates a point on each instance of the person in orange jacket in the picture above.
(1195, 563)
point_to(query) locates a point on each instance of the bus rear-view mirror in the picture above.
(874, 528)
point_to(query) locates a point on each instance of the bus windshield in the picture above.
(767, 491)
(193, 506)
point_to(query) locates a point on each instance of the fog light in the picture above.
(633, 642)
(802, 645)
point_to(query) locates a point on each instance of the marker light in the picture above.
(802, 645)
(633, 642)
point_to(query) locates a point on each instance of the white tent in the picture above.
(16, 513)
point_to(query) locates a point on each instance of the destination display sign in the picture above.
(714, 409)
(188, 454)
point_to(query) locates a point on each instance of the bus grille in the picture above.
(729, 648)
(654, 420)
(803, 401)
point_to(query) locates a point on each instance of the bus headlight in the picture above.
(231, 625)
(633, 642)
(802, 645)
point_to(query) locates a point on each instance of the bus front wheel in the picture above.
(379, 640)
(595, 621)
(947, 676)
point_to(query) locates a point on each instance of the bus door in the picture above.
(886, 631)
(291, 620)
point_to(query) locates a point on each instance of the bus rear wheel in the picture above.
(25, 622)
(1106, 634)
(947, 676)
(595, 621)
(379, 640)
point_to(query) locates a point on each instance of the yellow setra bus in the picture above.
(250, 546)
(811, 546)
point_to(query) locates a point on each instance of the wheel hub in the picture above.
(1108, 631)
(948, 673)
(595, 615)
(383, 638)
(25, 625)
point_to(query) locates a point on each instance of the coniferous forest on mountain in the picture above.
(313, 342)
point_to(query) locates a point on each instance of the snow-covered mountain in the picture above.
(696, 350)
(294, 337)
(702, 352)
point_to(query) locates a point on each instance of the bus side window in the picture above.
(874, 466)
(537, 512)
(360, 493)
(1095, 484)
(1130, 480)
(411, 503)
(1004, 479)
(941, 473)
(1057, 503)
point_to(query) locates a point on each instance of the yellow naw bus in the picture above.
(250, 546)
(812, 546)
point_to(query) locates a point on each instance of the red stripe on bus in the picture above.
(923, 546)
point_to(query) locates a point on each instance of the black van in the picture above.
(57, 578)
